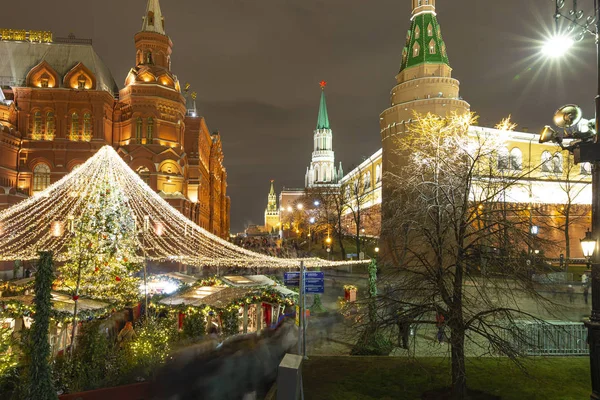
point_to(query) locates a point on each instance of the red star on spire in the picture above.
(323, 84)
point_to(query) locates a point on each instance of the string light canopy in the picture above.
(46, 221)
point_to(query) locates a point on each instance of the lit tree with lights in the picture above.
(449, 209)
(101, 248)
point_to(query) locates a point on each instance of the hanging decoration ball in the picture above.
(96, 269)
(75, 298)
(118, 279)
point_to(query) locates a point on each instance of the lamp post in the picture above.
(328, 242)
(586, 150)
(588, 246)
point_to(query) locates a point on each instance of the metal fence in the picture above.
(554, 277)
(550, 338)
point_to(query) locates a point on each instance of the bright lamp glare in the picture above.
(557, 46)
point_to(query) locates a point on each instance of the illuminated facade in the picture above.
(272, 212)
(424, 84)
(59, 104)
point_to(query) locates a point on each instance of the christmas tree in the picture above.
(102, 247)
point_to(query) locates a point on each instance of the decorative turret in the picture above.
(424, 43)
(153, 46)
(153, 21)
(322, 167)
(190, 102)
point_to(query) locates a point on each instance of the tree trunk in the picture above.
(567, 241)
(459, 377)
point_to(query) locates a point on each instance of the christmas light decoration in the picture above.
(45, 222)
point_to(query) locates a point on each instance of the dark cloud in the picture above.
(256, 67)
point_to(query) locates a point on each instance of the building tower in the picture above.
(424, 82)
(151, 111)
(271, 212)
(322, 171)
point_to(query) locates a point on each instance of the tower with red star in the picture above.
(322, 170)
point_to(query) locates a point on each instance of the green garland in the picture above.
(16, 309)
(40, 376)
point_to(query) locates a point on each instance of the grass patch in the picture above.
(386, 378)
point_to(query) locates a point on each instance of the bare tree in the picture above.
(354, 196)
(329, 214)
(573, 180)
(449, 212)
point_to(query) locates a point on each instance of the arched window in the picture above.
(41, 177)
(144, 173)
(419, 3)
(50, 125)
(503, 158)
(74, 127)
(417, 32)
(150, 18)
(150, 129)
(149, 58)
(317, 174)
(87, 127)
(44, 80)
(378, 173)
(546, 163)
(139, 129)
(516, 159)
(37, 125)
(81, 81)
(557, 163)
(430, 30)
(432, 47)
(416, 49)
(585, 168)
(367, 180)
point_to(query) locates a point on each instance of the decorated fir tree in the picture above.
(102, 246)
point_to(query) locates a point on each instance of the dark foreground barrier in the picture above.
(137, 391)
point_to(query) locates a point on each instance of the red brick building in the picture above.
(59, 104)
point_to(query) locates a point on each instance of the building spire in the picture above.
(323, 119)
(272, 191)
(153, 21)
(424, 42)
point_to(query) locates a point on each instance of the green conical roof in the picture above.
(424, 43)
(323, 120)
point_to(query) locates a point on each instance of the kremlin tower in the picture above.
(424, 82)
(322, 171)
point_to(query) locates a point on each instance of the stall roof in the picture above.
(248, 280)
(193, 296)
(61, 302)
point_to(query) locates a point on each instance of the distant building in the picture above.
(272, 223)
(59, 104)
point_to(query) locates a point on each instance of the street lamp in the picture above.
(328, 241)
(585, 148)
(588, 245)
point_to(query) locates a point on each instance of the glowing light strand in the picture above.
(25, 228)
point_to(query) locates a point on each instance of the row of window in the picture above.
(46, 128)
(139, 129)
(513, 161)
(417, 48)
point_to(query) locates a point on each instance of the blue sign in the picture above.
(314, 275)
(291, 278)
(314, 289)
(314, 282)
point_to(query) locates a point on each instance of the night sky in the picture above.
(256, 67)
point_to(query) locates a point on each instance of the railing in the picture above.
(550, 338)
(72, 40)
